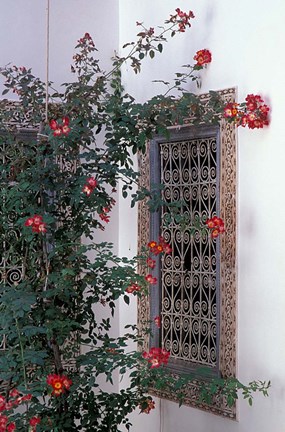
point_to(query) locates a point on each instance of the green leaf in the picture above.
(126, 299)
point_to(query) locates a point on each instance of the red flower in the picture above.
(3, 422)
(29, 222)
(157, 248)
(182, 19)
(14, 393)
(60, 128)
(217, 226)
(90, 185)
(254, 114)
(33, 422)
(37, 224)
(150, 279)
(231, 110)
(157, 321)
(150, 263)
(147, 405)
(203, 57)
(87, 189)
(165, 246)
(131, 288)
(104, 217)
(59, 383)
(92, 182)
(11, 427)
(156, 357)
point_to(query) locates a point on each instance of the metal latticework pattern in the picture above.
(226, 254)
(189, 273)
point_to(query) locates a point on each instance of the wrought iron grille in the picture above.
(189, 276)
(11, 253)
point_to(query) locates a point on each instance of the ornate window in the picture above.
(197, 293)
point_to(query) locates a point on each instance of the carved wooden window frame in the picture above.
(227, 339)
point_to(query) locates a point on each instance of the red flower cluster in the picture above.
(156, 357)
(13, 401)
(146, 405)
(5, 426)
(182, 19)
(157, 321)
(34, 421)
(89, 186)
(59, 383)
(253, 113)
(203, 57)
(60, 128)
(86, 38)
(217, 226)
(133, 287)
(37, 224)
(157, 248)
(104, 216)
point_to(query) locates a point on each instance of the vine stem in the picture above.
(22, 353)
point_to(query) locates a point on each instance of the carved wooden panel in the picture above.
(226, 255)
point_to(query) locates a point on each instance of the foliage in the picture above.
(58, 189)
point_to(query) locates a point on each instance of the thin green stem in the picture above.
(22, 353)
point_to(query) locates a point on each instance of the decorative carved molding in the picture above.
(227, 349)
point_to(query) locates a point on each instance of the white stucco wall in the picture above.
(247, 43)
